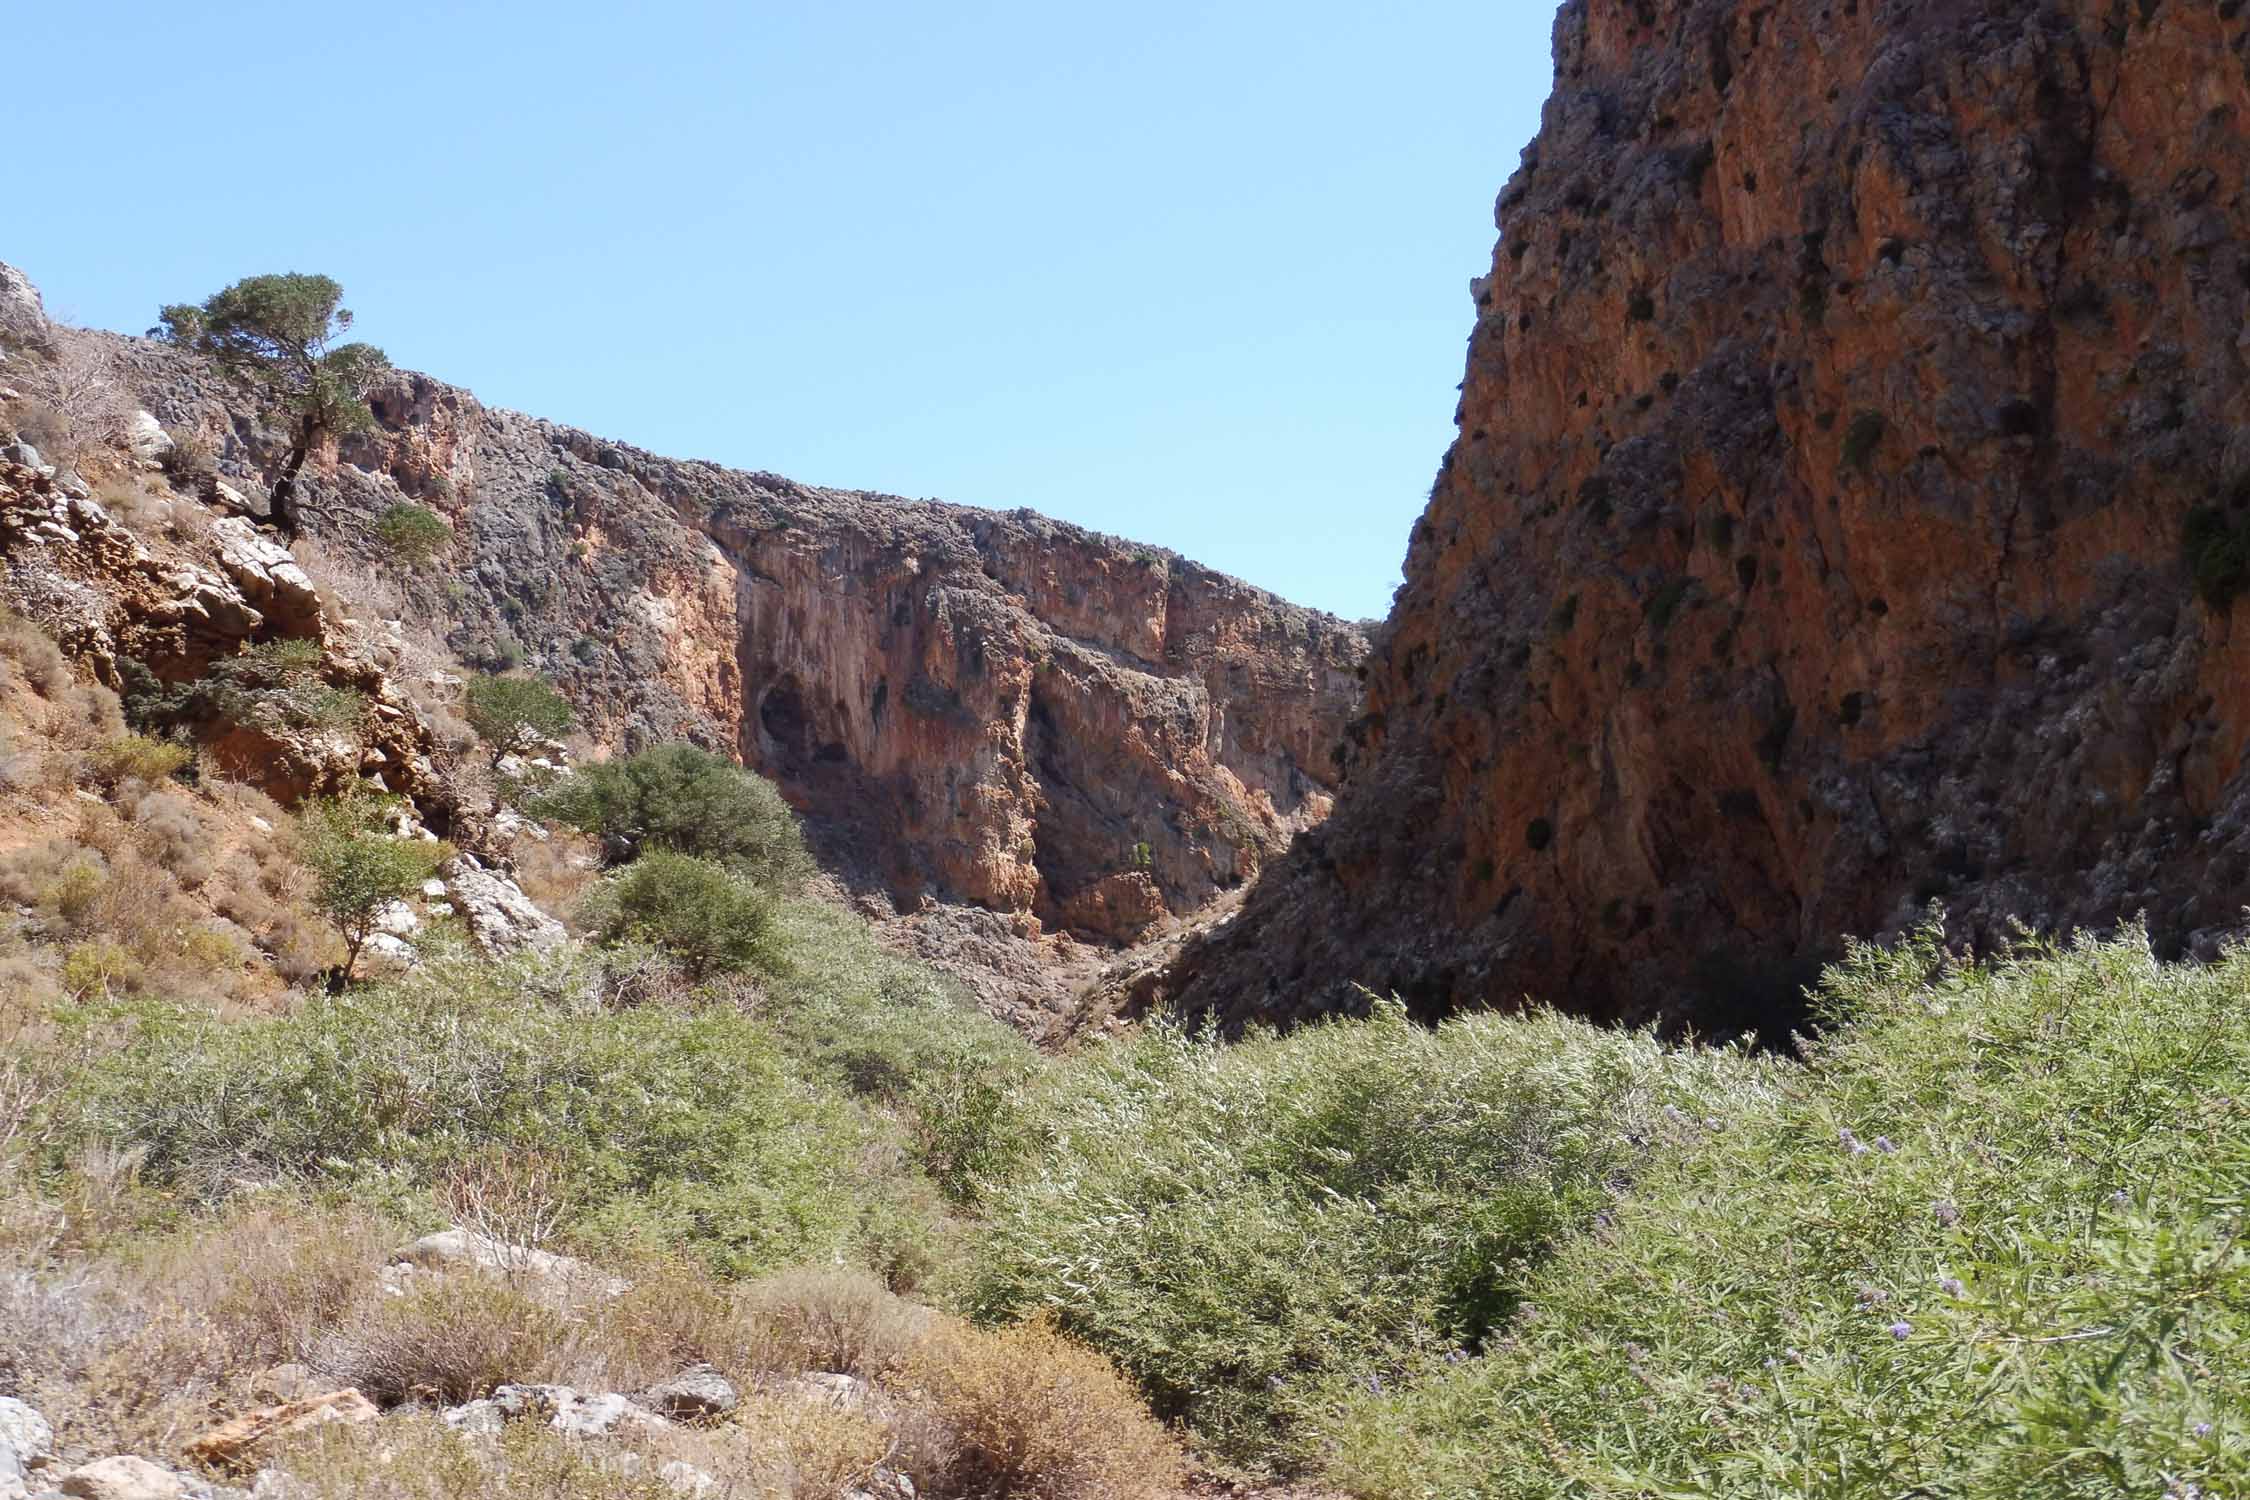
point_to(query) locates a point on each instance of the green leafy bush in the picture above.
(137, 757)
(689, 801)
(703, 914)
(276, 682)
(414, 535)
(505, 710)
(902, 1034)
(1988, 1244)
(1242, 1227)
(673, 1129)
(358, 868)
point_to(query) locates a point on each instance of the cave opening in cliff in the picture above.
(787, 727)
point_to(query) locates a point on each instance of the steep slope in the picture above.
(1006, 728)
(1848, 385)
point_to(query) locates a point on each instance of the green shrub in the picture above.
(358, 869)
(689, 801)
(278, 682)
(703, 914)
(506, 710)
(901, 1034)
(1988, 1244)
(137, 757)
(674, 1130)
(1240, 1227)
(413, 535)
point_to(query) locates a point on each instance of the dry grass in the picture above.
(139, 1349)
(446, 1338)
(558, 872)
(1031, 1413)
(834, 1320)
(78, 404)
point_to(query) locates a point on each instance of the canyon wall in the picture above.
(1849, 511)
(1012, 731)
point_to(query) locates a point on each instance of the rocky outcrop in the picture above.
(146, 614)
(1850, 510)
(23, 315)
(972, 710)
(500, 917)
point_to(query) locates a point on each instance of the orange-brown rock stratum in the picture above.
(1849, 510)
(1009, 731)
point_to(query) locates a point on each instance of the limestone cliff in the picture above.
(1017, 729)
(1849, 510)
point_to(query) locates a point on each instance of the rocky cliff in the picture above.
(1849, 510)
(1011, 731)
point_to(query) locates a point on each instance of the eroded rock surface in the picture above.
(1852, 398)
(973, 710)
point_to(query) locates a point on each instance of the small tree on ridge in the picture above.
(280, 333)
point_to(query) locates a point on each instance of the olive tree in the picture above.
(282, 333)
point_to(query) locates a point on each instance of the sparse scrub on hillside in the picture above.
(75, 401)
(191, 463)
(137, 757)
(1987, 1244)
(1244, 1227)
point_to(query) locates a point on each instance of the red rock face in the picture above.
(1028, 717)
(971, 708)
(1849, 390)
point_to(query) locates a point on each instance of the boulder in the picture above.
(123, 1478)
(695, 1393)
(501, 917)
(686, 1478)
(147, 438)
(236, 1444)
(398, 919)
(567, 1411)
(268, 576)
(23, 316)
(459, 1249)
(25, 1431)
(382, 947)
(844, 1392)
(481, 1417)
(596, 1416)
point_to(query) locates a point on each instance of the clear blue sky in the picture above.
(1196, 274)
